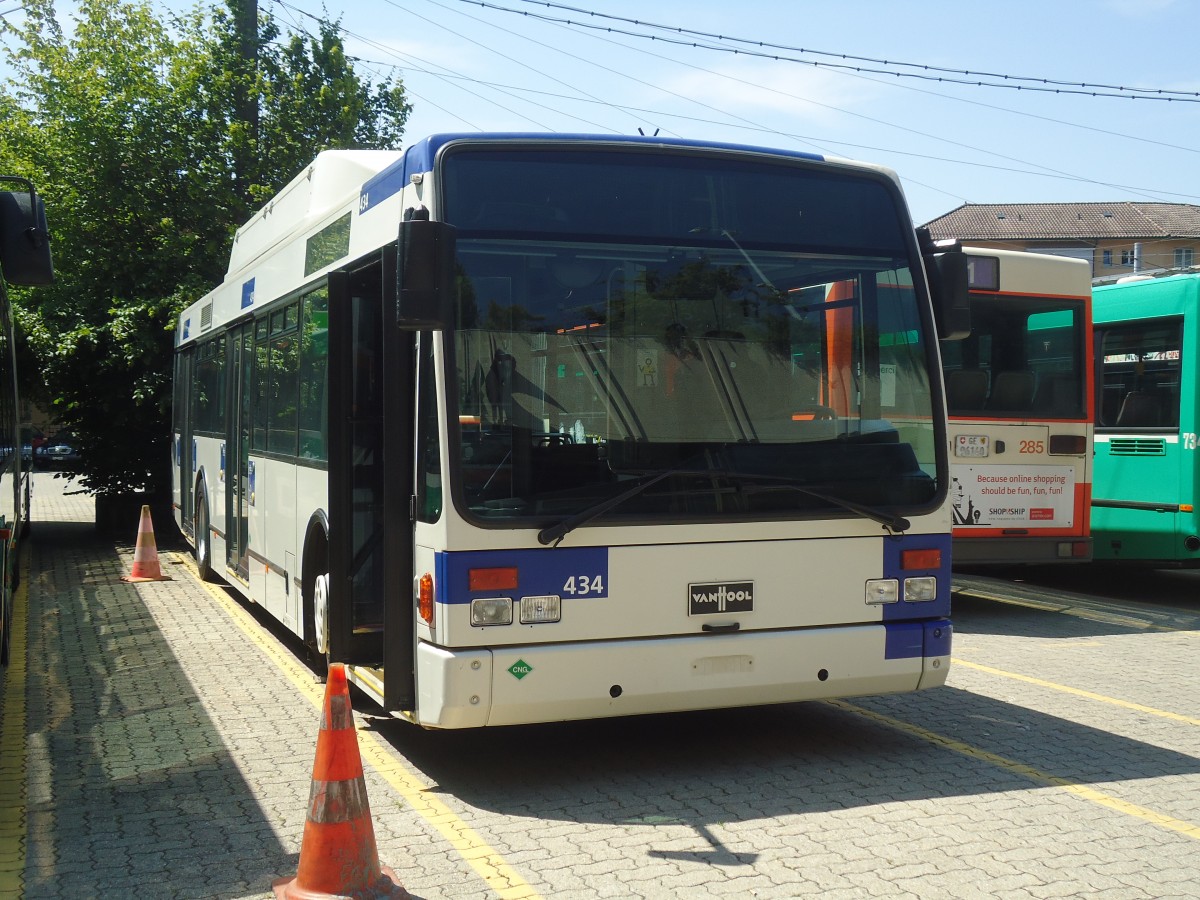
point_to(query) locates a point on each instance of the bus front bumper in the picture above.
(472, 688)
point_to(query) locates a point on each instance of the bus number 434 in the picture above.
(584, 585)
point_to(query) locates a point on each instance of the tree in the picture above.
(131, 128)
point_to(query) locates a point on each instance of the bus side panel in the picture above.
(275, 501)
(1126, 470)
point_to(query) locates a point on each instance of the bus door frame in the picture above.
(395, 457)
(182, 428)
(239, 350)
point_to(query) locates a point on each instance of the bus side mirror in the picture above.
(24, 236)
(946, 269)
(425, 274)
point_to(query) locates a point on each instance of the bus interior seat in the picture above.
(1057, 395)
(1012, 390)
(1139, 409)
(966, 388)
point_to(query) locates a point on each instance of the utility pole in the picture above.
(245, 144)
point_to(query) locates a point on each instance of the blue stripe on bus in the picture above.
(893, 547)
(571, 572)
(909, 640)
(419, 157)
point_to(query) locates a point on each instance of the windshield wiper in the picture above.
(893, 523)
(553, 534)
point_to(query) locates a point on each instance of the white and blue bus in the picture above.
(528, 428)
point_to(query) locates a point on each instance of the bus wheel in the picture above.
(203, 539)
(321, 613)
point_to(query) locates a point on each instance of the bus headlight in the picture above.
(541, 609)
(920, 590)
(491, 611)
(883, 590)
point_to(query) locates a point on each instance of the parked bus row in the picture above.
(529, 427)
(24, 260)
(1031, 482)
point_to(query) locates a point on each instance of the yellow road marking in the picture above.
(1091, 795)
(1124, 704)
(487, 862)
(13, 822)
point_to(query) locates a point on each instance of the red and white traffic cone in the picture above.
(338, 855)
(145, 553)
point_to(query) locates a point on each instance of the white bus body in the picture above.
(1019, 394)
(595, 486)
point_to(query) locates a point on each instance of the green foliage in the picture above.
(137, 133)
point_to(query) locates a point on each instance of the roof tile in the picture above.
(1077, 221)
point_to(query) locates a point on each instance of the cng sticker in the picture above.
(520, 669)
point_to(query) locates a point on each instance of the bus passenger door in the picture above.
(240, 350)
(182, 435)
(356, 466)
(371, 429)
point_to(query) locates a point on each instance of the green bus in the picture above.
(1145, 474)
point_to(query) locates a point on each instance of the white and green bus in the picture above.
(528, 428)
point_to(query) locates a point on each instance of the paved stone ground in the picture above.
(168, 754)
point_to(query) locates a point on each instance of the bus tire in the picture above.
(321, 613)
(315, 591)
(203, 538)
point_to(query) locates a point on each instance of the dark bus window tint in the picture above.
(208, 391)
(314, 376)
(1023, 359)
(1138, 383)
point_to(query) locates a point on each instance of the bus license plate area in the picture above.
(972, 446)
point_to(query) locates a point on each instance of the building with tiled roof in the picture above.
(1121, 238)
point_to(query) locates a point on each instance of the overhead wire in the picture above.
(1146, 193)
(748, 124)
(1053, 172)
(407, 88)
(509, 59)
(1021, 82)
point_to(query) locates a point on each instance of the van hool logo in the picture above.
(723, 597)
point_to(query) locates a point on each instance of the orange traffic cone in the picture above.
(145, 553)
(338, 856)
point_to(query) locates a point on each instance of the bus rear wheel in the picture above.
(203, 541)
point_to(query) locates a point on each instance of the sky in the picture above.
(876, 80)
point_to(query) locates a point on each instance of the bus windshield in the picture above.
(729, 325)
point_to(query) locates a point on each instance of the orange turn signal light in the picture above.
(425, 598)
